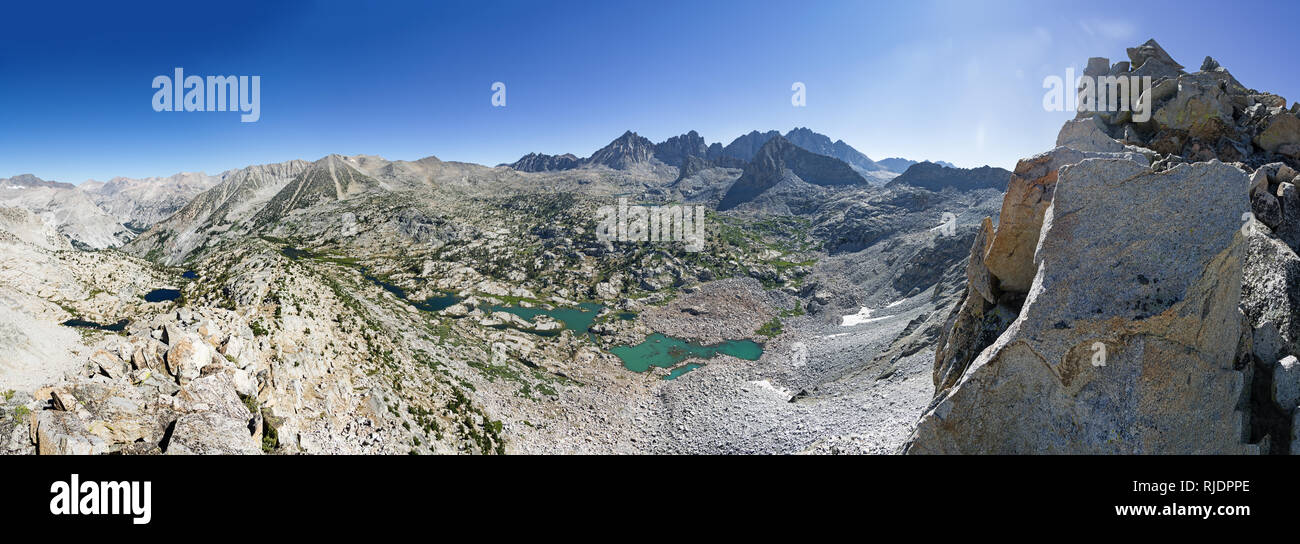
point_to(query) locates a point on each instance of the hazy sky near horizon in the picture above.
(960, 81)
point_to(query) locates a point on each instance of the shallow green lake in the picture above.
(657, 350)
(439, 303)
(666, 352)
(682, 370)
(577, 319)
(435, 303)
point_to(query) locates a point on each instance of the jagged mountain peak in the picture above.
(822, 145)
(744, 147)
(624, 152)
(678, 149)
(332, 178)
(630, 149)
(776, 161)
(541, 162)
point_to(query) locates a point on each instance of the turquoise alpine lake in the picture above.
(676, 372)
(666, 352)
(657, 350)
(577, 319)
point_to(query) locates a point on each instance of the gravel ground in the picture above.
(815, 390)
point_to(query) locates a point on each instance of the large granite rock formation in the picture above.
(1126, 346)
(1128, 301)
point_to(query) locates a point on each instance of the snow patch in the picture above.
(765, 386)
(863, 316)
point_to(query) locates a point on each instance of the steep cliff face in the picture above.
(1127, 301)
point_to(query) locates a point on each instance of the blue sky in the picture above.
(958, 81)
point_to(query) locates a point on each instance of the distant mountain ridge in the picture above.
(631, 149)
(935, 177)
(145, 201)
(192, 208)
(66, 209)
(900, 165)
(822, 145)
(24, 181)
(776, 160)
(539, 162)
(746, 146)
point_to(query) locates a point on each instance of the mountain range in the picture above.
(631, 149)
(67, 209)
(355, 304)
(143, 202)
(1133, 289)
(99, 214)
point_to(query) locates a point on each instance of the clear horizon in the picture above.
(934, 80)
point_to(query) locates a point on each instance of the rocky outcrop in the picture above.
(1126, 346)
(127, 400)
(1029, 193)
(1199, 116)
(1087, 135)
(1124, 303)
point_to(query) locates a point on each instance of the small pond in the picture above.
(162, 295)
(676, 372)
(83, 324)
